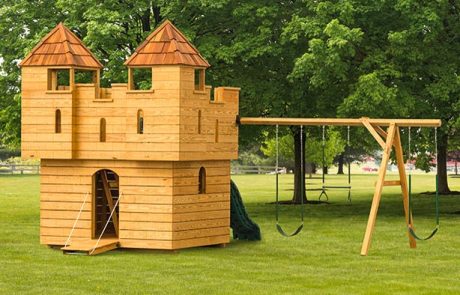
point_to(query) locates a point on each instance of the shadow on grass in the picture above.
(390, 206)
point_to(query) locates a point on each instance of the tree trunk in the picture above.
(443, 186)
(156, 14)
(146, 21)
(299, 177)
(340, 164)
(325, 170)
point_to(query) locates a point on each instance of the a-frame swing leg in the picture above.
(378, 189)
(404, 187)
(402, 179)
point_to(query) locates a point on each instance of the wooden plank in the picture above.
(178, 217)
(378, 190)
(373, 132)
(64, 232)
(145, 173)
(107, 163)
(404, 185)
(177, 235)
(178, 208)
(204, 241)
(390, 183)
(145, 244)
(177, 226)
(65, 206)
(68, 223)
(70, 215)
(169, 199)
(193, 189)
(339, 122)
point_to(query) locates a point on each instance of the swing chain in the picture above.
(410, 227)
(409, 156)
(277, 148)
(348, 136)
(278, 226)
(324, 135)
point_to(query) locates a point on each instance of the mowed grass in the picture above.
(323, 259)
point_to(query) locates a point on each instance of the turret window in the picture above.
(58, 79)
(140, 79)
(199, 79)
(102, 130)
(140, 122)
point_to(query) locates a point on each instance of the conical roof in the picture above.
(166, 46)
(61, 48)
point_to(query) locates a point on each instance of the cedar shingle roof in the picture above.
(61, 48)
(166, 46)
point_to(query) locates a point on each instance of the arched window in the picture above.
(216, 138)
(140, 122)
(57, 122)
(199, 122)
(202, 181)
(102, 128)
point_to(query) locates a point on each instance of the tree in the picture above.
(334, 145)
(386, 59)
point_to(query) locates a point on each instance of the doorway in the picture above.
(105, 196)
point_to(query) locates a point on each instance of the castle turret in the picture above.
(49, 74)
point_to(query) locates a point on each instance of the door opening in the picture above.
(105, 196)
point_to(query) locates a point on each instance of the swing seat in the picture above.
(283, 233)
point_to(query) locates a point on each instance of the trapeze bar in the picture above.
(339, 122)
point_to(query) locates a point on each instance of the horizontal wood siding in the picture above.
(159, 208)
(201, 219)
(170, 119)
(64, 184)
(199, 142)
(39, 139)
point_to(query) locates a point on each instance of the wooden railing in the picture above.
(19, 169)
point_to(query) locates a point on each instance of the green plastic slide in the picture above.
(243, 227)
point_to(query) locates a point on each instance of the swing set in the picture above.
(389, 139)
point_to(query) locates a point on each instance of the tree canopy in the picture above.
(350, 58)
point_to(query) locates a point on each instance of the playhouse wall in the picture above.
(160, 207)
(64, 184)
(170, 113)
(201, 219)
(39, 106)
(217, 136)
(160, 139)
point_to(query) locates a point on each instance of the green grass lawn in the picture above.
(323, 259)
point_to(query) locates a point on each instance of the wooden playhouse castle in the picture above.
(140, 165)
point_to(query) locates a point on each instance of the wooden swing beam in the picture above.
(387, 139)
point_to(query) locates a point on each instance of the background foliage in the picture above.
(386, 58)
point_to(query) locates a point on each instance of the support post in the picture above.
(404, 187)
(378, 190)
